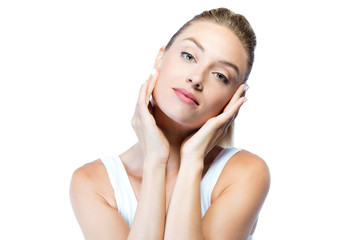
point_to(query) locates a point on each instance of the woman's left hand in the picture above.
(202, 141)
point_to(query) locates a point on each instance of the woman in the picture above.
(178, 182)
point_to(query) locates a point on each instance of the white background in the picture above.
(69, 77)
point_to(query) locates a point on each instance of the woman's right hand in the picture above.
(152, 140)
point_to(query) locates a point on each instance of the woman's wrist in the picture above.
(192, 162)
(156, 158)
(154, 163)
(193, 155)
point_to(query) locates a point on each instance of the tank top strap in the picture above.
(123, 191)
(212, 175)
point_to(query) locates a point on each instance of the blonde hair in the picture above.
(238, 24)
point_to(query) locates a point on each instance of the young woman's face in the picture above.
(199, 73)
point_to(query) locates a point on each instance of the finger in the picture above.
(142, 92)
(237, 112)
(152, 81)
(240, 92)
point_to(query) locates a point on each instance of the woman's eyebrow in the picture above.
(196, 43)
(236, 69)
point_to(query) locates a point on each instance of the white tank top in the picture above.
(125, 196)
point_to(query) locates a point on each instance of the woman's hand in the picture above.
(202, 141)
(151, 138)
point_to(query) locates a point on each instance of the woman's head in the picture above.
(208, 58)
(237, 23)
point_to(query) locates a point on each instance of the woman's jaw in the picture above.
(174, 126)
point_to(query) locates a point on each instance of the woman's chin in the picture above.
(186, 123)
(183, 121)
(179, 120)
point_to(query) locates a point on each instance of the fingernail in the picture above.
(246, 88)
(245, 100)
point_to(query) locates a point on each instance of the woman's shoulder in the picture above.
(90, 172)
(245, 169)
(248, 165)
(90, 178)
(248, 162)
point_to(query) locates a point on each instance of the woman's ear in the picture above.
(159, 57)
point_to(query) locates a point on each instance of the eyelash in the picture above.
(225, 80)
(218, 75)
(184, 54)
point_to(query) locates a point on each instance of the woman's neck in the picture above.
(175, 134)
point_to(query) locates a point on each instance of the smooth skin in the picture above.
(175, 150)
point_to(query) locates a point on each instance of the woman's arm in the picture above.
(149, 219)
(96, 216)
(101, 221)
(244, 181)
(97, 219)
(184, 216)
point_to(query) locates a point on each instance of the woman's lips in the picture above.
(186, 96)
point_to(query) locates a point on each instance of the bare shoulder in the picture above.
(92, 177)
(89, 173)
(249, 164)
(246, 170)
(90, 170)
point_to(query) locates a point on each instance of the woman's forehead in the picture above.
(207, 31)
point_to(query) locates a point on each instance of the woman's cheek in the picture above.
(219, 104)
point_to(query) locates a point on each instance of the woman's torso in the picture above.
(134, 172)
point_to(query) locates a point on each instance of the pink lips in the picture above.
(186, 96)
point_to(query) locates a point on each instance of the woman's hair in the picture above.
(241, 28)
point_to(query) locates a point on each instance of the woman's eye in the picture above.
(188, 56)
(221, 77)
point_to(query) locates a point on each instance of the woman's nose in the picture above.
(196, 77)
(196, 84)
